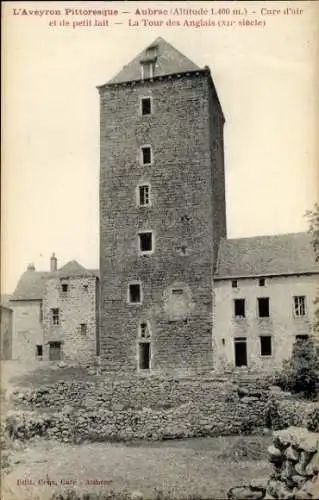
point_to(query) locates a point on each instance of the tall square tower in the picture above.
(162, 213)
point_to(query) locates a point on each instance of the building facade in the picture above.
(264, 291)
(56, 314)
(176, 294)
(162, 212)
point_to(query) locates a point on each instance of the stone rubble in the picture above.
(295, 458)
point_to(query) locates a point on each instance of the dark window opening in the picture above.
(223, 341)
(39, 350)
(64, 287)
(135, 293)
(240, 351)
(262, 281)
(55, 316)
(145, 242)
(302, 337)
(144, 195)
(146, 155)
(146, 106)
(265, 345)
(263, 307)
(144, 355)
(177, 291)
(83, 327)
(234, 283)
(239, 308)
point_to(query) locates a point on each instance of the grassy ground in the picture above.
(204, 467)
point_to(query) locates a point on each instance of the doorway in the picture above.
(55, 351)
(240, 351)
(144, 355)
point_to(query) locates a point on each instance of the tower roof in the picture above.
(167, 59)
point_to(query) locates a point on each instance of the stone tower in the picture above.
(162, 213)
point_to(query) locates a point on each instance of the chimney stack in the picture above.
(53, 263)
(31, 267)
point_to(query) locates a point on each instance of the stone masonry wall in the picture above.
(295, 458)
(77, 306)
(183, 198)
(140, 408)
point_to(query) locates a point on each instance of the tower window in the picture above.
(177, 291)
(64, 287)
(146, 155)
(144, 330)
(265, 345)
(55, 315)
(261, 282)
(144, 195)
(146, 106)
(263, 307)
(300, 305)
(135, 293)
(234, 284)
(146, 242)
(83, 328)
(144, 355)
(239, 308)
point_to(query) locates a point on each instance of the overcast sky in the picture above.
(267, 83)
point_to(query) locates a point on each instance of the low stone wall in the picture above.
(295, 458)
(147, 408)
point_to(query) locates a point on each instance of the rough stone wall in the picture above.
(140, 408)
(282, 325)
(153, 408)
(180, 216)
(27, 329)
(295, 458)
(76, 306)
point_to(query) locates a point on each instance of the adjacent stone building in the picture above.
(264, 291)
(162, 212)
(167, 303)
(56, 314)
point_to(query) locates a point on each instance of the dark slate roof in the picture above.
(31, 285)
(280, 254)
(168, 61)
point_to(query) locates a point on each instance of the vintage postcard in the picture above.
(159, 250)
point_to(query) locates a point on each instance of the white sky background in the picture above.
(267, 81)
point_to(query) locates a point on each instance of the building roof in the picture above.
(31, 285)
(168, 61)
(280, 254)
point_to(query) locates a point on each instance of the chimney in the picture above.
(31, 267)
(53, 263)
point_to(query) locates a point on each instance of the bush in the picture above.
(300, 374)
(313, 420)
